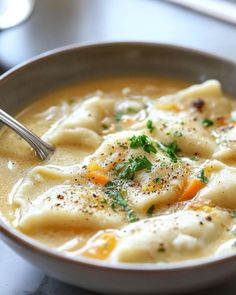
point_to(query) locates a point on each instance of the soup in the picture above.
(144, 171)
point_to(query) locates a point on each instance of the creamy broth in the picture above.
(142, 171)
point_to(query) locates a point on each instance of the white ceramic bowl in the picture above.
(21, 86)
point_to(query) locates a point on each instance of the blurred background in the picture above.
(208, 25)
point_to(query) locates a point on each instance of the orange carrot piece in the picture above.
(193, 187)
(93, 166)
(101, 247)
(97, 174)
(98, 178)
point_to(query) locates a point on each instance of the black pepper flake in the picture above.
(209, 218)
(198, 104)
(60, 197)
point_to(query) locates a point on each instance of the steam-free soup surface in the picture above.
(144, 171)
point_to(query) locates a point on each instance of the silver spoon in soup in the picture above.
(42, 148)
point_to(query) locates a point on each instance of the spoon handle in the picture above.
(42, 148)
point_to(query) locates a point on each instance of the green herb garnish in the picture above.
(194, 158)
(202, 176)
(150, 126)
(207, 122)
(143, 141)
(118, 116)
(171, 149)
(158, 179)
(234, 232)
(177, 134)
(110, 185)
(150, 211)
(118, 200)
(233, 214)
(132, 216)
(120, 166)
(118, 127)
(129, 168)
(131, 110)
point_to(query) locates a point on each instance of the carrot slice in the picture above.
(93, 166)
(97, 174)
(101, 247)
(98, 178)
(221, 121)
(193, 187)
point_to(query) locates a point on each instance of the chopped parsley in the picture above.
(207, 122)
(118, 127)
(143, 141)
(150, 126)
(177, 134)
(194, 158)
(202, 176)
(132, 216)
(158, 179)
(110, 185)
(118, 116)
(128, 169)
(163, 164)
(131, 110)
(118, 200)
(171, 149)
(234, 232)
(120, 166)
(233, 214)
(150, 211)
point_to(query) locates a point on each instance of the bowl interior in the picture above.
(24, 84)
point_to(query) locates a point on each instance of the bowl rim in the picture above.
(30, 244)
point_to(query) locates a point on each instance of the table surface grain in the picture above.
(57, 23)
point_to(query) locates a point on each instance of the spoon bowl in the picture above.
(42, 148)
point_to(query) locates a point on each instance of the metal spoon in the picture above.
(43, 149)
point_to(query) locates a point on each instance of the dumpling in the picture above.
(172, 237)
(226, 140)
(69, 206)
(160, 183)
(83, 126)
(185, 115)
(191, 137)
(210, 93)
(221, 187)
(130, 181)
